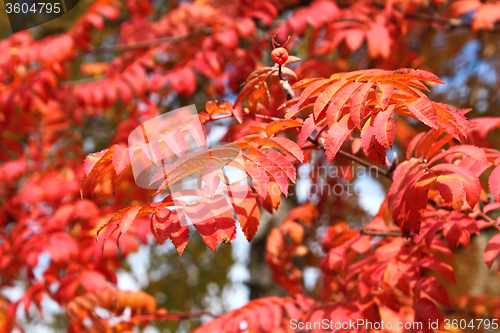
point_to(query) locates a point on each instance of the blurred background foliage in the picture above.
(199, 280)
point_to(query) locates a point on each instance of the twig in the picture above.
(174, 315)
(380, 233)
(146, 44)
(262, 116)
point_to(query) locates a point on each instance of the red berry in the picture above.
(279, 55)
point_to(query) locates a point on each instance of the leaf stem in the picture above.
(146, 44)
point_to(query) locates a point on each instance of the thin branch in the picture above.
(146, 44)
(174, 315)
(446, 22)
(380, 233)
(262, 116)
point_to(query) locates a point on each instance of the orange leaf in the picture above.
(384, 127)
(280, 125)
(336, 136)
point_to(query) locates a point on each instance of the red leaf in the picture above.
(384, 127)
(58, 241)
(473, 152)
(283, 144)
(93, 280)
(424, 111)
(183, 81)
(92, 159)
(96, 166)
(371, 146)
(277, 126)
(210, 175)
(260, 180)
(284, 164)
(358, 103)
(305, 83)
(383, 94)
(470, 183)
(312, 89)
(248, 214)
(325, 97)
(238, 113)
(179, 234)
(262, 74)
(491, 251)
(122, 220)
(494, 183)
(306, 131)
(271, 169)
(378, 38)
(175, 141)
(453, 233)
(121, 158)
(427, 311)
(439, 266)
(161, 224)
(336, 136)
(451, 189)
(409, 74)
(338, 101)
(435, 289)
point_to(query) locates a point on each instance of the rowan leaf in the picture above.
(251, 84)
(325, 97)
(96, 166)
(307, 129)
(470, 183)
(277, 126)
(334, 111)
(450, 187)
(383, 94)
(491, 251)
(175, 141)
(161, 224)
(423, 110)
(371, 146)
(314, 88)
(260, 179)
(439, 266)
(122, 221)
(272, 170)
(473, 152)
(248, 214)
(358, 104)
(283, 144)
(179, 233)
(336, 136)
(284, 164)
(434, 289)
(121, 158)
(384, 127)
(494, 183)
(305, 83)
(406, 74)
